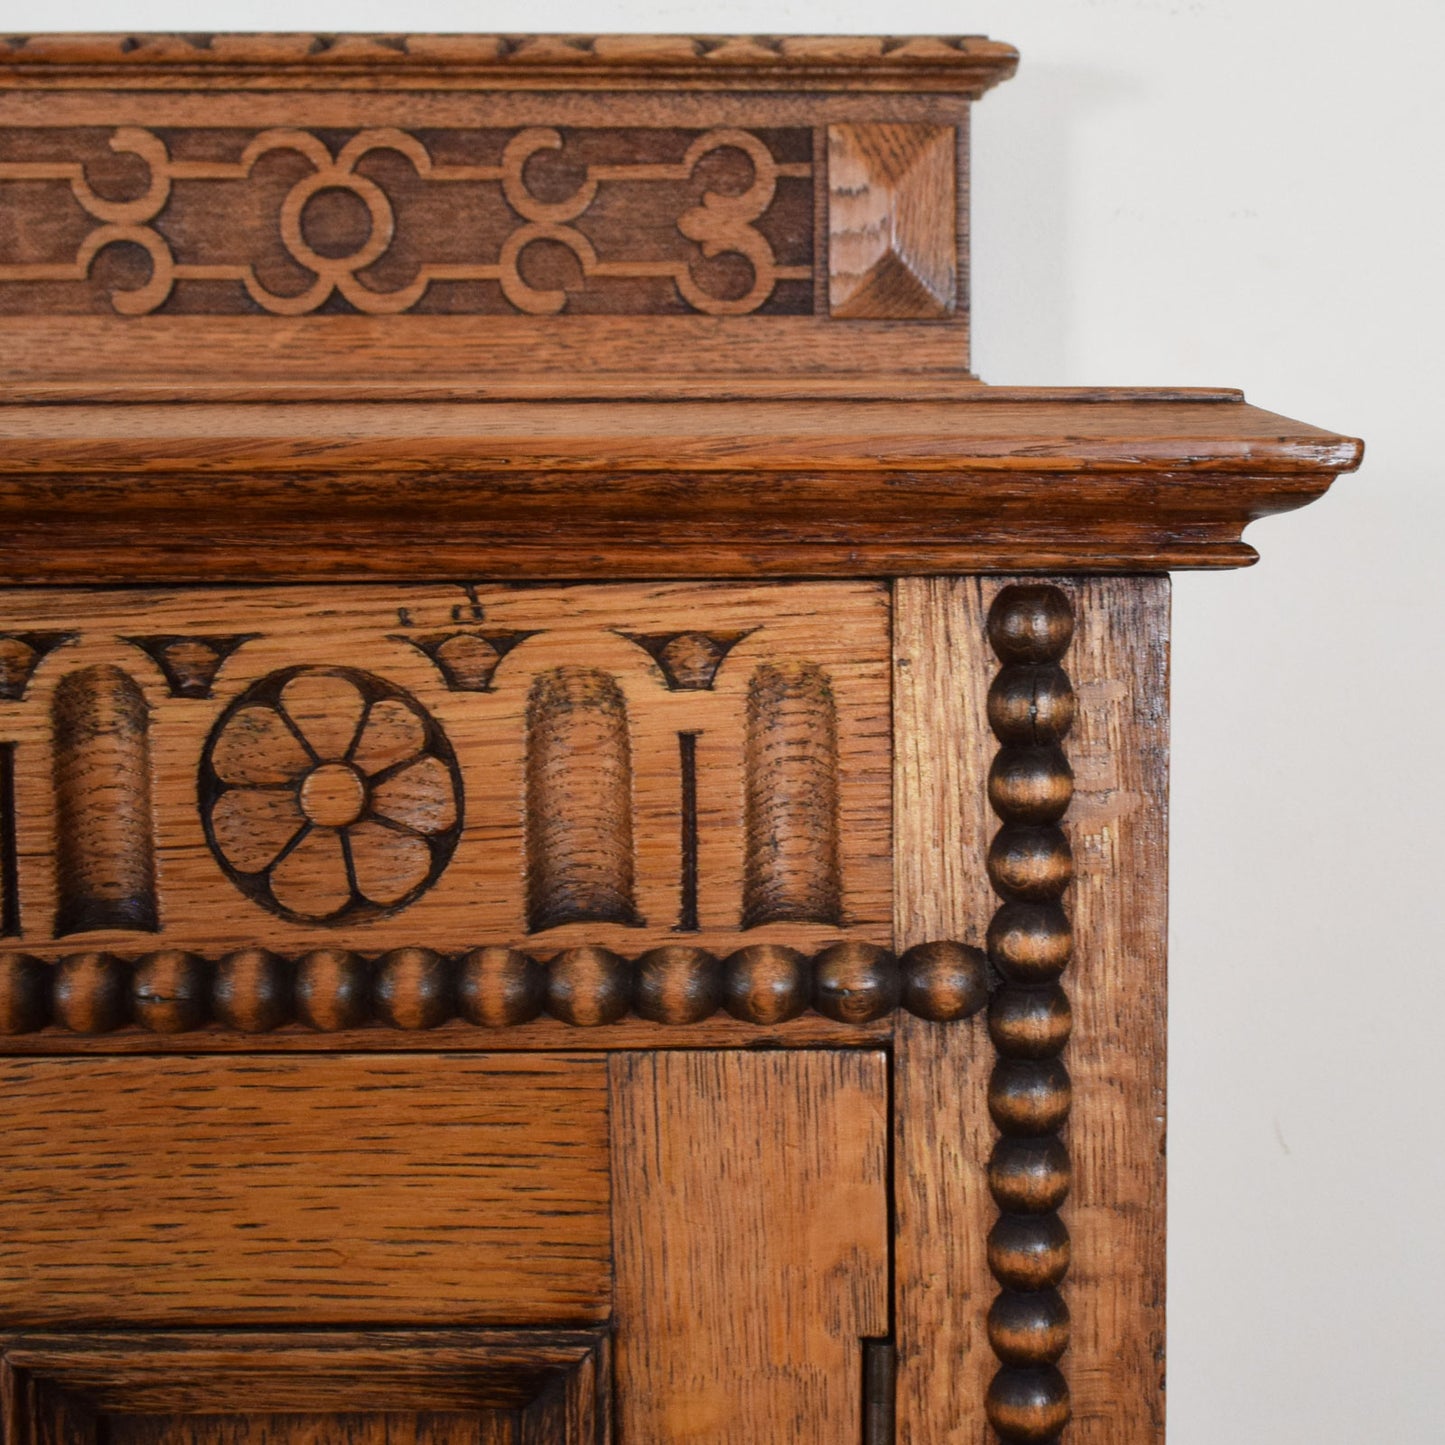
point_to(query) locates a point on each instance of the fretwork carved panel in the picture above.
(293, 221)
(447, 767)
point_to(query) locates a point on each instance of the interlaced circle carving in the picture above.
(329, 795)
(722, 224)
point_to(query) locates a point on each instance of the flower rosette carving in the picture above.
(329, 795)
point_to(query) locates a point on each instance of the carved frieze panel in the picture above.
(292, 221)
(446, 769)
(409, 217)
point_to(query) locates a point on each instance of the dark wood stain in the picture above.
(9, 854)
(441, 1387)
(687, 883)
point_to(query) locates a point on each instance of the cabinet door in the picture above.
(723, 1243)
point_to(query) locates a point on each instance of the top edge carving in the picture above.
(966, 64)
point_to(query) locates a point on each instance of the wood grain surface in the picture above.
(699, 488)
(892, 221)
(1211, 435)
(942, 1131)
(545, 1035)
(1118, 825)
(338, 1190)
(421, 1427)
(468, 792)
(750, 1217)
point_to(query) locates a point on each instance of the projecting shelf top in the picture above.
(1007, 480)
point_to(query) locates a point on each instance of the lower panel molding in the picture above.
(473, 1387)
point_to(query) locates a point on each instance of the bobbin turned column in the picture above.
(1030, 939)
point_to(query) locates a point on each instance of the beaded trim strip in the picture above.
(255, 991)
(1030, 939)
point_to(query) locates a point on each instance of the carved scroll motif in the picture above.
(342, 230)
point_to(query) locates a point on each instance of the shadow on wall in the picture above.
(1026, 180)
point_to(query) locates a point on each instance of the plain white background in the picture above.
(1238, 192)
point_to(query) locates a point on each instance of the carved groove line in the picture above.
(9, 847)
(722, 225)
(254, 991)
(1030, 939)
(791, 869)
(579, 801)
(105, 834)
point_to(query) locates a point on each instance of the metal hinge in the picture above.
(880, 1369)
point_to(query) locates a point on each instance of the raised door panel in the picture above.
(303, 1190)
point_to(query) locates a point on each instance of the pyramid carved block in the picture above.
(892, 221)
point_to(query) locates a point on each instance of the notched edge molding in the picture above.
(962, 64)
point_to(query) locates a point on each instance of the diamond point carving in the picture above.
(892, 222)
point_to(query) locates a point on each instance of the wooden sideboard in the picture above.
(582, 807)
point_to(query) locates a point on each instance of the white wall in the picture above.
(1245, 192)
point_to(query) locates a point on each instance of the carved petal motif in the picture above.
(252, 825)
(330, 794)
(388, 864)
(419, 797)
(392, 734)
(312, 879)
(327, 711)
(257, 749)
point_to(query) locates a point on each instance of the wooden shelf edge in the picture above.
(966, 65)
